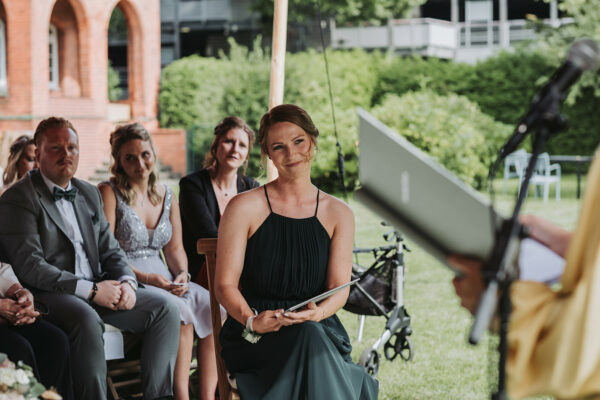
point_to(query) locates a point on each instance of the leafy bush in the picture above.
(583, 135)
(502, 86)
(114, 91)
(450, 128)
(198, 92)
(399, 75)
(192, 91)
(353, 79)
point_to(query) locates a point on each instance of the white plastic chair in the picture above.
(514, 166)
(543, 176)
(113, 343)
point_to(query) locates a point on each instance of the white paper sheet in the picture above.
(539, 263)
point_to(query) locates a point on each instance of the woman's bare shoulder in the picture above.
(334, 207)
(106, 191)
(248, 200)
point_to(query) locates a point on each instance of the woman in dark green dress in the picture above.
(278, 245)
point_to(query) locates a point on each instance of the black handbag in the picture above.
(377, 282)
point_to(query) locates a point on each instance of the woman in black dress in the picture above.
(284, 243)
(204, 194)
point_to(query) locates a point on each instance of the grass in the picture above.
(444, 366)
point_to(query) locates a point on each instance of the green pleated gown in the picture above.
(285, 263)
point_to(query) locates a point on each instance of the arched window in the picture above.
(53, 58)
(3, 83)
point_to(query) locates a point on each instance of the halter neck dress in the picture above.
(286, 262)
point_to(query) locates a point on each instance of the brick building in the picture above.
(53, 61)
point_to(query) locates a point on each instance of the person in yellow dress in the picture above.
(554, 334)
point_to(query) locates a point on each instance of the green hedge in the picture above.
(198, 92)
(449, 128)
(502, 86)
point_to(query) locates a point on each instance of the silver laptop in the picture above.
(419, 197)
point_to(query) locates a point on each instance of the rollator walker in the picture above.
(379, 292)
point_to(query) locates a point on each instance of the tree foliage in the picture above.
(458, 113)
(556, 41)
(114, 91)
(344, 11)
(449, 128)
(196, 93)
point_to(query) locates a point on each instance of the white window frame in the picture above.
(3, 79)
(53, 58)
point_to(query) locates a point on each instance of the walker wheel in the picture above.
(405, 349)
(369, 359)
(399, 345)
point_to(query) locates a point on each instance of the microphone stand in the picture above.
(500, 266)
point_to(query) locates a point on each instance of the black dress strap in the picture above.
(267, 196)
(317, 207)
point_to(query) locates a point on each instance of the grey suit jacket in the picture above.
(33, 237)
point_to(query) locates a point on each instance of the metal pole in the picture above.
(176, 33)
(504, 32)
(554, 14)
(277, 65)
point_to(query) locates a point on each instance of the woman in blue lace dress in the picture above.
(279, 245)
(144, 217)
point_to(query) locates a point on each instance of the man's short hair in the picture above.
(51, 123)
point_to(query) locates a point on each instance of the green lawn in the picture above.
(444, 366)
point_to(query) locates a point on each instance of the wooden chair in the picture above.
(121, 374)
(227, 388)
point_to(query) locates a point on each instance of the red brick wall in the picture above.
(82, 97)
(170, 146)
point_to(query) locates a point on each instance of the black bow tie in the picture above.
(68, 195)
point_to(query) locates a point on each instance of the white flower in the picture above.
(7, 377)
(21, 377)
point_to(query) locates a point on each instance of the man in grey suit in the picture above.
(59, 243)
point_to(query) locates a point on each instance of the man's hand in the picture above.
(109, 294)
(128, 297)
(179, 290)
(470, 286)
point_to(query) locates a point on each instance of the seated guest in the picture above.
(39, 344)
(21, 159)
(144, 218)
(204, 194)
(59, 243)
(279, 245)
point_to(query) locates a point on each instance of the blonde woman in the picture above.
(144, 216)
(21, 159)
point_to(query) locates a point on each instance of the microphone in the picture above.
(583, 55)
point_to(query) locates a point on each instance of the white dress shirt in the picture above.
(82, 265)
(7, 278)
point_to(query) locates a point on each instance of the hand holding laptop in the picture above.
(540, 259)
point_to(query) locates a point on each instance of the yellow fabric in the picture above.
(554, 336)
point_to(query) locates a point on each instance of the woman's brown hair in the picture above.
(118, 138)
(14, 155)
(221, 129)
(285, 113)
